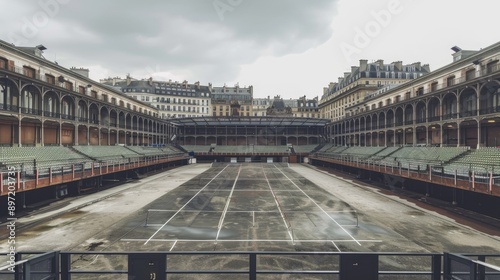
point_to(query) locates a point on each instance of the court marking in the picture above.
(255, 211)
(223, 216)
(331, 218)
(173, 245)
(258, 240)
(180, 209)
(233, 191)
(336, 246)
(287, 224)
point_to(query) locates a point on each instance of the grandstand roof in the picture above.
(265, 121)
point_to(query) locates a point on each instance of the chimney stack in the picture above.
(398, 65)
(380, 63)
(363, 65)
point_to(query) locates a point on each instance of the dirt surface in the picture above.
(249, 207)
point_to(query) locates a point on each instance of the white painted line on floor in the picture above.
(173, 245)
(336, 246)
(180, 209)
(223, 216)
(253, 240)
(248, 211)
(326, 213)
(253, 218)
(287, 224)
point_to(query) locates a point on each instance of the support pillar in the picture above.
(478, 134)
(76, 135)
(19, 134)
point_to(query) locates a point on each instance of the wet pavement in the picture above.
(252, 207)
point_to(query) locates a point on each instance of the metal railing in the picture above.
(159, 265)
(423, 169)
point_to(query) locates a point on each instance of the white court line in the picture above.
(326, 213)
(173, 245)
(287, 225)
(255, 240)
(336, 246)
(223, 216)
(248, 211)
(180, 209)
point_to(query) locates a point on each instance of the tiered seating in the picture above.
(270, 149)
(106, 152)
(47, 153)
(337, 149)
(385, 152)
(147, 151)
(171, 150)
(242, 149)
(423, 156)
(196, 148)
(232, 149)
(326, 148)
(304, 148)
(482, 160)
(362, 152)
(43, 156)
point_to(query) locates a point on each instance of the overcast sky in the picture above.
(281, 47)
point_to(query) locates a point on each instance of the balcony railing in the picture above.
(31, 111)
(421, 120)
(67, 117)
(434, 118)
(470, 113)
(450, 116)
(490, 110)
(51, 114)
(8, 107)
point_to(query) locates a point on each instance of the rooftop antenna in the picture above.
(55, 59)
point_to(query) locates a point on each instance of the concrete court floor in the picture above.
(252, 207)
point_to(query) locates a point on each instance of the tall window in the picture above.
(471, 74)
(28, 71)
(50, 79)
(68, 85)
(3, 63)
(450, 81)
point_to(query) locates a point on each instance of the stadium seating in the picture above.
(106, 152)
(482, 160)
(10, 155)
(420, 157)
(304, 148)
(196, 148)
(154, 151)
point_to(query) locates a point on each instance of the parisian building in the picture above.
(456, 105)
(43, 103)
(300, 108)
(364, 79)
(260, 105)
(232, 101)
(172, 99)
(307, 108)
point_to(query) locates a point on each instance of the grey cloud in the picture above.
(177, 35)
